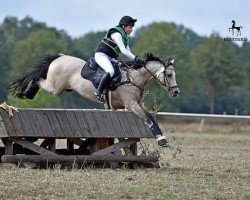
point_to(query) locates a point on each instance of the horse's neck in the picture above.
(141, 76)
(233, 26)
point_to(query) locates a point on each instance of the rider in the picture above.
(116, 41)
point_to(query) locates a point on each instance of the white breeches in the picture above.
(104, 62)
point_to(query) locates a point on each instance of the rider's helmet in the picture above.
(127, 21)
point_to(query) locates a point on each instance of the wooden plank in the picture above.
(32, 146)
(144, 130)
(55, 124)
(101, 133)
(63, 123)
(126, 149)
(44, 123)
(17, 124)
(38, 124)
(102, 120)
(74, 125)
(101, 127)
(94, 129)
(8, 124)
(107, 120)
(115, 122)
(116, 146)
(34, 123)
(79, 158)
(63, 120)
(85, 130)
(133, 125)
(3, 131)
(123, 124)
(26, 124)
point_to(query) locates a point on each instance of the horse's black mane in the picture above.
(148, 57)
(151, 57)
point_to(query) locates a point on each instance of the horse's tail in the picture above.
(26, 87)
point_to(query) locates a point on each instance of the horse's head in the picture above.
(163, 72)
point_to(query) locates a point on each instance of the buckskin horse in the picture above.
(58, 73)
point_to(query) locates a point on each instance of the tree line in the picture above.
(211, 73)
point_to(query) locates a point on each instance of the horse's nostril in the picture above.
(176, 93)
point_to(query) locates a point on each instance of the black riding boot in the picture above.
(102, 86)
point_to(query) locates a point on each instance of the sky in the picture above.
(78, 17)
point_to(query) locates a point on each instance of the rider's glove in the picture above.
(119, 64)
(139, 61)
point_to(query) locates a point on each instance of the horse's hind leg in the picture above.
(48, 86)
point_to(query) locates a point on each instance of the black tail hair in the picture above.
(26, 86)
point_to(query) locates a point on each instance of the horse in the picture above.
(238, 28)
(58, 73)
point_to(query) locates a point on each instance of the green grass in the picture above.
(210, 166)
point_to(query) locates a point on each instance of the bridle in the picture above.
(155, 76)
(162, 70)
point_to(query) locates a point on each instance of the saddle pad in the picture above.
(94, 76)
(88, 73)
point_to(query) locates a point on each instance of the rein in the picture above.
(130, 81)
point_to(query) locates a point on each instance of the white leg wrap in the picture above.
(162, 137)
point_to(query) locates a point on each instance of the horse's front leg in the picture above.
(150, 121)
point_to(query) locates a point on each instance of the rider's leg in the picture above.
(102, 86)
(104, 62)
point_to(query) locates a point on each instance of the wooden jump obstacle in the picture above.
(31, 135)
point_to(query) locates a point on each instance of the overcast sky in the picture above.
(78, 17)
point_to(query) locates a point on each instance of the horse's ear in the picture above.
(172, 61)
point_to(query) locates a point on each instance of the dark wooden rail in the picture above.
(30, 135)
(65, 123)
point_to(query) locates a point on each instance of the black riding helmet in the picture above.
(127, 20)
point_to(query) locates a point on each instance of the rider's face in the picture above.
(128, 29)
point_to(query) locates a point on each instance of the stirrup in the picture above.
(100, 97)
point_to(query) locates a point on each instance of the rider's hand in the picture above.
(139, 61)
(119, 64)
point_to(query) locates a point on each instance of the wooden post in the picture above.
(100, 143)
(52, 145)
(70, 145)
(8, 146)
(134, 148)
(201, 125)
(49, 143)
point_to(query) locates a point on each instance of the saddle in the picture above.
(93, 72)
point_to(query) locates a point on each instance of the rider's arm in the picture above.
(118, 40)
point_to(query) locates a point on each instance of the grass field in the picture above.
(211, 165)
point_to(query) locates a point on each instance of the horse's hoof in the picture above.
(162, 141)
